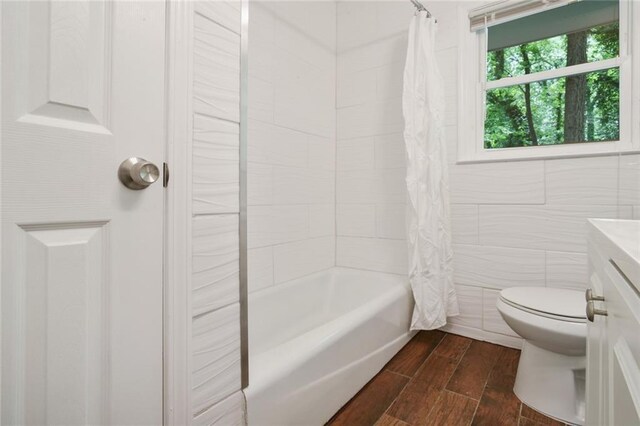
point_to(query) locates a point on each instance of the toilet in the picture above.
(551, 372)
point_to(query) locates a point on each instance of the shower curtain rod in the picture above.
(421, 7)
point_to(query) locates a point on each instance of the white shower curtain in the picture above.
(428, 210)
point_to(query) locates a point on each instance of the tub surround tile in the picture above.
(300, 258)
(372, 401)
(372, 254)
(413, 354)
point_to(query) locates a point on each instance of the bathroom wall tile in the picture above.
(497, 267)
(215, 165)
(322, 153)
(262, 97)
(375, 53)
(371, 186)
(567, 270)
(629, 192)
(322, 220)
(391, 221)
(558, 227)
(355, 154)
(636, 213)
(520, 182)
(592, 180)
(372, 254)
(270, 225)
(356, 88)
(491, 319)
(448, 65)
(393, 17)
(216, 70)
(259, 184)
(216, 356)
(274, 145)
(296, 82)
(390, 151)
(291, 185)
(470, 305)
(294, 260)
(378, 118)
(356, 220)
(357, 24)
(389, 80)
(307, 30)
(464, 223)
(447, 14)
(322, 186)
(260, 268)
(228, 412)
(215, 267)
(225, 12)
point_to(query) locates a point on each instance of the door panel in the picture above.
(83, 89)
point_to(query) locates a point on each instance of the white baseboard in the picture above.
(487, 336)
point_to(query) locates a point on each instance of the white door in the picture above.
(82, 90)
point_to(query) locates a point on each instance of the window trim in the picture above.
(472, 85)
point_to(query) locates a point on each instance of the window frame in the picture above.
(472, 56)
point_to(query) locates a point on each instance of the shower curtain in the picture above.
(428, 210)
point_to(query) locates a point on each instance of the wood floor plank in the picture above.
(387, 420)
(453, 346)
(537, 417)
(421, 394)
(372, 401)
(472, 373)
(414, 353)
(498, 405)
(452, 409)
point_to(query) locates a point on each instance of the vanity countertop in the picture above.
(622, 241)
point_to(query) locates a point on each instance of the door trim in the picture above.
(177, 265)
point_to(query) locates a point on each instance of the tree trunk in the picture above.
(527, 96)
(576, 89)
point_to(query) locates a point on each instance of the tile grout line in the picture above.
(410, 379)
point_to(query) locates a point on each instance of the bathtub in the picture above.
(315, 341)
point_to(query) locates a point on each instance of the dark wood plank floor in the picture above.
(443, 379)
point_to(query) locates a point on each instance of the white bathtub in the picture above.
(314, 342)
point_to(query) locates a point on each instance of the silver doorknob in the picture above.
(592, 311)
(137, 173)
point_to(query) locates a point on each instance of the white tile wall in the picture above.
(513, 223)
(215, 327)
(374, 254)
(498, 267)
(216, 356)
(567, 270)
(215, 254)
(292, 140)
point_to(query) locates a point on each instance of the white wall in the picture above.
(291, 170)
(514, 223)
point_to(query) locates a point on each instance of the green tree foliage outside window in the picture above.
(577, 108)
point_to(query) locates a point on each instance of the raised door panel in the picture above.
(69, 53)
(62, 343)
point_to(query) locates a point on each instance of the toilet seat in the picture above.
(554, 303)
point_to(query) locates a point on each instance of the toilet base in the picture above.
(552, 383)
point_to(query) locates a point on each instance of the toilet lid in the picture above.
(552, 301)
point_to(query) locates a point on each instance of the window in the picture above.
(554, 82)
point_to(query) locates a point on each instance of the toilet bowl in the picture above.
(551, 372)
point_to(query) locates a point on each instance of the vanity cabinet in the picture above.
(613, 326)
